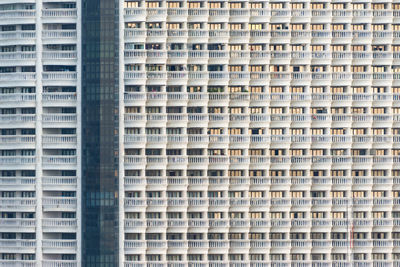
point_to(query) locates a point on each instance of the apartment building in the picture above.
(200, 133)
(39, 124)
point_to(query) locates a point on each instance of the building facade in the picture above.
(199, 133)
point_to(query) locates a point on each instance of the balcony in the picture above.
(56, 120)
(17, 246)
(17, 119)
(59, 76)
(59, 225)
(59, 263)
(16, 224)
(17, 141)
(59, 55)
(133, 224)
(55, 161)
(18, 204)
(18, 77)
(17, 14)
(18, 37)
(12, 57)
(59, 141)
(59, 246)
(59, 203)
(19, 263)
(17, 182)
(134, 244)
(60, 35)
(60, 13)
(17, 160)
(59, 182)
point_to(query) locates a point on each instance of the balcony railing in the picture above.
(62, 118)
(19, 160)
(17, 140)
(18, 76)
(18, 223)
(19, 263)
(60, 13)
(17, 55)
(59, 263)
(59, 55)
(17, 14)
(59, 139)
(54, 223)
(59, 202)
(17, 97)
(59, 244)
(53, 34)
(58, 75)
(59, 180)
(17, 35)
(50, 160)
(15, 181)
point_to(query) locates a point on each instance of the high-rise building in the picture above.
(199, 133)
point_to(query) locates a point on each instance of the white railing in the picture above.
(59, 222)
(59, 97)
(59, 180)
(17, 203)
(17, 181)
(17, 139)
(17, 14)
(17, 160)
(59, 160)
(59, 75)
(60, 13)
(4, 222)
(59, 139)
(18, 76)
(59, 263)
(17, 55)
(59, 118)
(17, 35)
(58, 243)
(59, 33)
(59, 55)
(59, 202)
(18, 97)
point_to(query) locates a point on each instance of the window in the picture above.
(131, 4)
(256, 5)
